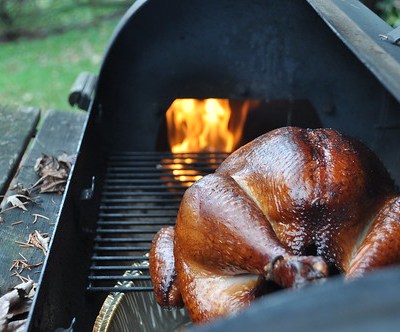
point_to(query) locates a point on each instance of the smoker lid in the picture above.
(362, 31)
(358, 27)
(208, 49)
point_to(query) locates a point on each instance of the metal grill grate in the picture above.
(141, 194)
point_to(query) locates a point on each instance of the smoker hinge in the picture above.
(82, 90)
(393, 36)
(86, 209)
(87, 193)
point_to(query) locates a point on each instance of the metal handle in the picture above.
(82, 90)
(393, 36)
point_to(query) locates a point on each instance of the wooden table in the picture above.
(24, 140)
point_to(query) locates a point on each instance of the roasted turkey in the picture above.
(282, 209)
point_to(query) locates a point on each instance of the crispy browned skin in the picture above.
(162, 269)
(266, 205)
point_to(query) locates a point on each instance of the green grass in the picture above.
(43, 16)
(40, 72)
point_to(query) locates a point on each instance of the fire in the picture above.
(205, 125)
(209, 125)
(181, 173)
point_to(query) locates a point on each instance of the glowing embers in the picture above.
(187, 168)
(205, 125)
(182, 170)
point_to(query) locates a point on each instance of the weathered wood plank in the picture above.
(17, 127)
(60, 133)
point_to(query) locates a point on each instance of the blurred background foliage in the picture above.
(45, 44)
(390, 11)
(39, 18)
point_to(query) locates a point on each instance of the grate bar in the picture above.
(130, 248)
(160, 170)
(168, 158)
(139, 200)
(122, 240)
(125, 231)
(147, 181)
(167, 190)
(119, 258)
(155, 155)
(139, 207)
(121, 289)
(118, 267)
(150, 176)
(119, 278)
(135, 223)
(164, 165)
(138, 215)
(140, 195)
(144, 193)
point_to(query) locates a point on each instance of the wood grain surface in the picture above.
(17, 126)
(60, 133)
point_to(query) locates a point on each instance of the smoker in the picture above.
(311, 63)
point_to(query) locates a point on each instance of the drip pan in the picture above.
(137, 310)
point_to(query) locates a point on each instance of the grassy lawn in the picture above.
(40, 72)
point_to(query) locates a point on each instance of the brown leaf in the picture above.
(17, 326)
(43, 240)
(53, 172)
(12, 304)
(38, 240)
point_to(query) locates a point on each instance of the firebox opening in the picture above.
(223, 125)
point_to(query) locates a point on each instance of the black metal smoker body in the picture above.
(327, 52)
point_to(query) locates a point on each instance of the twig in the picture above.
(30, 266)
(22, 264)
(37, 240)
(36, 215)
(22, 278)
(38, 182)
(17, 223)
(24, 244)
(13, 207)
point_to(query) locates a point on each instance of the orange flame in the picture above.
(205, 125)
(182, 173)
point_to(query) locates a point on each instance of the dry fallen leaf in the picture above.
(38, 240)
(44, 240)
(53, 172)
(14, 304)
(15, 201)
(20, 199)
